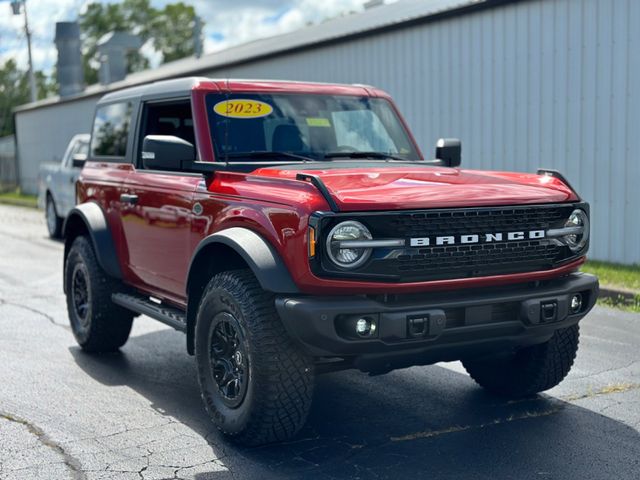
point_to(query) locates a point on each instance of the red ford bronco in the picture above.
(291, 229)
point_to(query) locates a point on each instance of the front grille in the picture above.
(474, 257)
(435, 262)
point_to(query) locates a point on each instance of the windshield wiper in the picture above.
(380, 155)
(267, 154)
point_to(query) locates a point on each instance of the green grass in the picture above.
(622, 303)
(14, 197)
(615, 275)
(626, 277)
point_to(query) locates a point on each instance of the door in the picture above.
(157, 208)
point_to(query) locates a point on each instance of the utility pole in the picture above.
(197, 37)
(16, 6)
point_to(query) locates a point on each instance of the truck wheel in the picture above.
(97, 323)
(54, 222)
(256, 385)
(530, 370)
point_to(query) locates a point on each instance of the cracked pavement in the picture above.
(137, 414)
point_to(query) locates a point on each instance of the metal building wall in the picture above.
(551, 83)
(43, 135)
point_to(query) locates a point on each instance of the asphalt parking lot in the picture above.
(137, 414)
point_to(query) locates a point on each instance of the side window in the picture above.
(111, 130)
(68, 155)
(83, 148)
(167, 118)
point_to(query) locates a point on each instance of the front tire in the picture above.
(54, 222)
(529, 370)
(97, 323)
(256, 385)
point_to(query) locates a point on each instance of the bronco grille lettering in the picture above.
(477, 238)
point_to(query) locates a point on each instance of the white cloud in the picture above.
(263, 19)
(154, 56)
(43, 15)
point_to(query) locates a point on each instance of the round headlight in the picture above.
(345, 232)
(577, 241)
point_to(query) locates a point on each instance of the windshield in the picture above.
(306, 127)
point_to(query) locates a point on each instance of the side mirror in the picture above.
(449, 151)
(166, 152)
(78, 160)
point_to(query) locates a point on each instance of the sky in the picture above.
(227, 22)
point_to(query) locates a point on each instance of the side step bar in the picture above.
(140, 304)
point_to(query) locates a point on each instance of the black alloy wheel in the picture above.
(80, 295)
(229, 359)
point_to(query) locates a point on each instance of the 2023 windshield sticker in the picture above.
(242, 108)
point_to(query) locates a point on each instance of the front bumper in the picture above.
(451, 325)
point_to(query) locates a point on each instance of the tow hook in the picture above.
(548, 312)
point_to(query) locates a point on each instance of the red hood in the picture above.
(400, 188)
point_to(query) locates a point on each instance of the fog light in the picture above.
(576, 303)
(365, 327)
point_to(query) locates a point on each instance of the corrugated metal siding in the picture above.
(43, 135)
(533, 83)
(550, 83)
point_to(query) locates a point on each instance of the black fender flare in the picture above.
(263, 260)
(261, 257)
(95, 222)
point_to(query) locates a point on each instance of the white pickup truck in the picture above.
(57, 183)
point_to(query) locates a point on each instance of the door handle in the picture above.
(129, 198)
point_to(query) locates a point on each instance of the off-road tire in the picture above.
(53, 220)
(280, 377)
(530, 370)
(106, 326)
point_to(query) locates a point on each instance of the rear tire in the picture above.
(97, 323)
(54, 222)
(530, 370)
(256, 384)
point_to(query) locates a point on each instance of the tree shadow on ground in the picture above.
(423, 422)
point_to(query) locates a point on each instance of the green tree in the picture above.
(14, 91)
(46, 85)
(170, 29)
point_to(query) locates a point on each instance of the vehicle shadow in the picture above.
(420, 422)
(52, 239)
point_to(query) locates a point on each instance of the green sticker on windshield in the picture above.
(318, 122)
